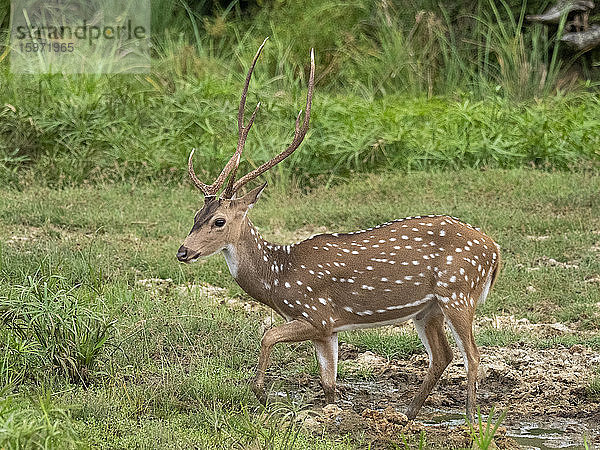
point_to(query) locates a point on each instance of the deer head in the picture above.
(221, 220)
(218, 224)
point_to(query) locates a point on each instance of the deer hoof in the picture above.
(411, 414)
(329, 397)
(259, 392)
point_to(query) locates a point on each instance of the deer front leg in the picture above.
(294, 331)
(327, 355)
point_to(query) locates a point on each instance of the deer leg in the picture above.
(431, 332)
(294, 331)
(463, 334)
(327, 355)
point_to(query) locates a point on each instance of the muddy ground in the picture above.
(543, 391)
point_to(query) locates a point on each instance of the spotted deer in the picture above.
(432, 269)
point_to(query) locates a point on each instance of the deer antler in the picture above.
(299, 135)
(234, 161)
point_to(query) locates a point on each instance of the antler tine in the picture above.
(245, 90)
(228, 193)
(208, 189)
(199, 184)
(299, 134)
(234, 161)
(243, 130)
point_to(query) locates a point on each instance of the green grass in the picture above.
(49, 326)
(174, 365)
(483, 433)
(397, 90)
(89, 129)
(391, 345)
(34, 423)
(593, 389)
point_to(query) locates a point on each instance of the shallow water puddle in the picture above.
(535, 436)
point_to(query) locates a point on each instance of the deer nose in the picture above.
(182, 253)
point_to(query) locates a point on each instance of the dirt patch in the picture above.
(545, 261)
(218, 295)
(538, 238)
(24, 235)
(546, 387)
(388, 428)
(161, 286)
(522, 325)
(540, 389)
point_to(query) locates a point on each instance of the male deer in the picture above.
(431, 269)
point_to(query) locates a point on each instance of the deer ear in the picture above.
(251, 197)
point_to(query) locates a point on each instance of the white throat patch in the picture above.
(231, 259)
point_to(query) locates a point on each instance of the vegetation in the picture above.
(456, 107)
(35, 425)
(397, 89)
(49, 329)
(174, 365)
(421, 444)
(594, 386)
(390, 345)
(483, 434)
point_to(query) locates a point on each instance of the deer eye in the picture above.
(220, 222)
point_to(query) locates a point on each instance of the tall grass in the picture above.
(36, 425)
(399, 59)
(490, 80)
(498, 55)
(49, 328)
(523, 64)
(144, 128)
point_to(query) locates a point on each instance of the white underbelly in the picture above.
(359, 326)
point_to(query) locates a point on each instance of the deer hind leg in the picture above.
(327, 355)
(430, 328)
(462, 329)
(294, 331)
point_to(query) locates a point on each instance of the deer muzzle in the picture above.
(183, 254)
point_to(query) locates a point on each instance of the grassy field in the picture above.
(95, 356)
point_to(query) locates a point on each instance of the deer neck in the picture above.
(256, 264)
